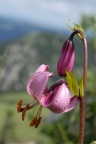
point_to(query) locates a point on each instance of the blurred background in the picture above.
(32, 32)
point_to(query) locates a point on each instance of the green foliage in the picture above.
(72, 83)
(7, 133)
(94, 142)
(82, 87)
(76, 27)
(88, 22)
(61, 129)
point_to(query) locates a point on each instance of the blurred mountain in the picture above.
(12, 28)
(21, 57)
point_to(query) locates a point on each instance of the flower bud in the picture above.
(66, 59)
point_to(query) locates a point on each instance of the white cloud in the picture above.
(57, 6)
(47, 11)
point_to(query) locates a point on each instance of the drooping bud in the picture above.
(66, 59)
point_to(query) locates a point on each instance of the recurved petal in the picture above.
(58, 100)
(73, 102)
(37, 84)
(42, 68)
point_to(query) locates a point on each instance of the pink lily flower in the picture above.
(66, 59)
(56, 98)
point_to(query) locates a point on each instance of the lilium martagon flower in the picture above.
(56, 98)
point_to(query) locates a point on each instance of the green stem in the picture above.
(82, 98)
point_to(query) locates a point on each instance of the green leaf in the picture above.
(77, 27)
(94, 142)
(72, 83)
(81, 88)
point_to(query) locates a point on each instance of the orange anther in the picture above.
(38, 122)
(23, 113)
(20, 103)
(34, 120)
(19, 106)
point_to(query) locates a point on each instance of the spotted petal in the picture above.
(58, 100)
(73, 102)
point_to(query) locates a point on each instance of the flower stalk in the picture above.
(82, 98)
(82, 120)
(85, 54)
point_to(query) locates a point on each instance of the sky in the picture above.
(52, 13)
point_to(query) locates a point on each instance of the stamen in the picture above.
(38, 122)
(29, 103)
(34, 120)
(37, 119)
(19, 109)
(24, 112)
(27, 107)
(33, 105)
(39, 111)
(19, 106)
